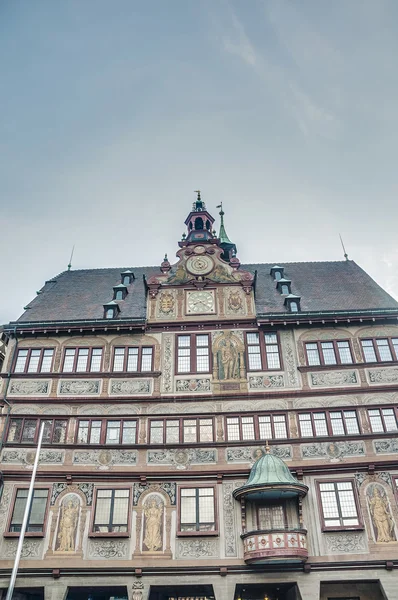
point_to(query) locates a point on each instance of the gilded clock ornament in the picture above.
(200, 265)
(200, 302)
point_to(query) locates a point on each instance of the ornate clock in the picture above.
(200, 265)
(201, 302)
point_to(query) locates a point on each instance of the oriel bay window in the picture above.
(257, 427)
(133, 359)
(382, 419)
(336, 352)
(334, 422)
(112, 431)
(82, 360)
(25, 430)
(176, 431)
(197, 511)
(193, 353)
(271, 516)
(339, 505)
(111, 512)
(34, 360)
(262, 351)
(380, 349)
(37, 513)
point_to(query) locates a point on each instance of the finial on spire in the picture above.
(344, 250)
(199, 205)
(71, 256)
(221, 213)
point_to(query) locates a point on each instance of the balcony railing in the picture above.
(280, 545)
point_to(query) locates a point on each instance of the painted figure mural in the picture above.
(67, 528)
(153, 524)
(382, 520)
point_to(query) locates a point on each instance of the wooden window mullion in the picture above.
(336, 352)
(193, 353)
(263, 351)
(320, 352)
(197, 510)
(329, 421)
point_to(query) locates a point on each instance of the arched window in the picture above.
(109, 313)
(285, 289)
(294, 306)
(119, 295)
(277, 275)
(126, 280)
(198, 223)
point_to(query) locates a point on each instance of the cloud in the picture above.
(237, 42)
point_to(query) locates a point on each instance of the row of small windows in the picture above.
(338, 502)
(192, 430)
(194, 355)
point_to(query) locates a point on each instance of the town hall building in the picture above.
(213, 430)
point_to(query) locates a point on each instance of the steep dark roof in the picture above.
(322, 286)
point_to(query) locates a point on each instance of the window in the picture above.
(284, 289)
(37, 511)
(380, 349)
(133, 359)
(175, 431)
(271, 517)
(193, 353)
(336, 422)
(339, 505)
(262, 427)
(262, 351)
(26, 431)
(382, 420)
(110, 313)
(197, 510)
(34, 360)
(119, 295)
(328, 353)
(126, 280)
(82, 360)
(98, 431)
(111, 511)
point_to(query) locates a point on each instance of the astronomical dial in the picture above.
(200, 265)
(200, 302)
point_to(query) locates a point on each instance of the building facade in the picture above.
(212, 430)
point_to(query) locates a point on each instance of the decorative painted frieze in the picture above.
(166, 304)
(170, 488)
(264, 382)
(334, 378)
(229, 520)
(389, 446)
(26, 457)
(167, 364)
(348, 542)
(130, 387)
(388, 375)
(104, 458)
(197, 548)
(108, 549)
(289, 358)
(333, 450)
(31, 387)
(235, 301)
(79, 387)
(31, 549)
(193, 385)
(183, 458)
(250, 454)
(85, 488)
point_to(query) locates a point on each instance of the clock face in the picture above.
(200, 265)
(200, 302)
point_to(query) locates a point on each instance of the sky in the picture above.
(113, 112)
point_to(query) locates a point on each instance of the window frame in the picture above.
(76, 358)
(180, 430)
(27, 361)
(326, 412)
(263, 350)
(336, 353)
(282, 504)
(103, 431)
(113, 534)
(394, 353)
(39, 421)
(126, 358)
(34, 534)
(180, 533)
(256, 426)
(324, 527)
(193, 354)
(380, 409)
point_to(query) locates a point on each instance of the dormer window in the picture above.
(284, 286)
(292, 302)
(277, 272)
(119, 292)
(127, 277)
(111, 310)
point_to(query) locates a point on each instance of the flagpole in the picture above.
(25, 517)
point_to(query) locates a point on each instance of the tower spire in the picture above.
(225, 243)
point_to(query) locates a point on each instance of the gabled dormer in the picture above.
(277, 272)
(111, 310)
(119, 291)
